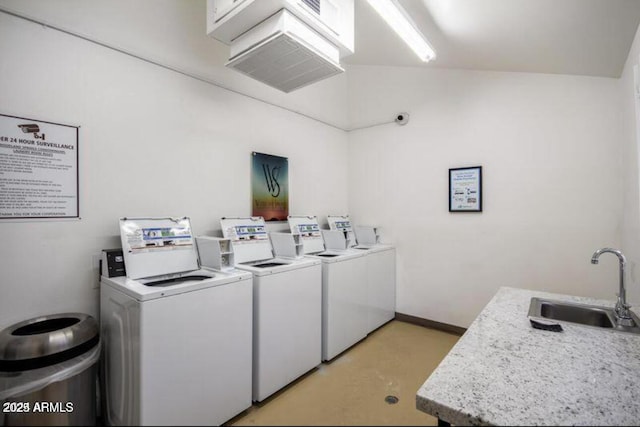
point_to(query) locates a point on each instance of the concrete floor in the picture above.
(351, 389)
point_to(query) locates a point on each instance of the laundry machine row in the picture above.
(358, 279)
(231, 320)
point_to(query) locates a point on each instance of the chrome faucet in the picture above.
(623, 317)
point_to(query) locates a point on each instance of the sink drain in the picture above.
(391, 400)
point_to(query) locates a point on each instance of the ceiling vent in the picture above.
(284, 53)
(313, 4)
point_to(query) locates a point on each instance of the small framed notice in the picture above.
(465, 189)
(38, 169)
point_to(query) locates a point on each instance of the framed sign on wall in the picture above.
(38, 170)
(465, 189)
(270, 187)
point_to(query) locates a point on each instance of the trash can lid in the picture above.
(45, 340)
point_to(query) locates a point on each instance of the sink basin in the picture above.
(583, 314)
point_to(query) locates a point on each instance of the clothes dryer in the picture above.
(344, 292)
(287, 306)
(178, 339)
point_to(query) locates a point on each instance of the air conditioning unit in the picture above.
(286, 44)
(284, 53)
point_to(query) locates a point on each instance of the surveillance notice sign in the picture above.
(38, 169)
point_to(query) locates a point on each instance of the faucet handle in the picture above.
(622, 313)
(626, 321)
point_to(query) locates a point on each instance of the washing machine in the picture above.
(344, 285)
(177, 338)
(381, 276)
(287, 303)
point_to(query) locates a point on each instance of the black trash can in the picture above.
(48, 371)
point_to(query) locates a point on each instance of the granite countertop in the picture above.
(504, 372)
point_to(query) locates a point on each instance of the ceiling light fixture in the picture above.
(399, 20)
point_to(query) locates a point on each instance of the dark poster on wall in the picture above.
(270, 187)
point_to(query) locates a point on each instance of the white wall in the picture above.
(631, 218)
(559, 157)
(174, 33)
(152, 142)
(550, 150)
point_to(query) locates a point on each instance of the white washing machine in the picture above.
(381, 270)
(344, 285)
(381, 285)
(287, 303)
(177, 339)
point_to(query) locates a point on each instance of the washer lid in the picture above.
(339, 222)
(157, 246)
(309, 230)
(367, 235)
(248, 237)
(141, 291)
(342, 223)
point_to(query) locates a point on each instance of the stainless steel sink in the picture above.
(589, 315)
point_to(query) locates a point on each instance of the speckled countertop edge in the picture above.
(504, 372)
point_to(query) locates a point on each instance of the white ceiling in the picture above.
(585, 37)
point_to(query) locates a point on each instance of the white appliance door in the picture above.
(381, 288)
(287, 328)
(344, 307)
(196, 356)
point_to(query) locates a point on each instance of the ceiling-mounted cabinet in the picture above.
(333, 19)
(286, 44)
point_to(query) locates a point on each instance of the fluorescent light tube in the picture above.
(397, 18)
